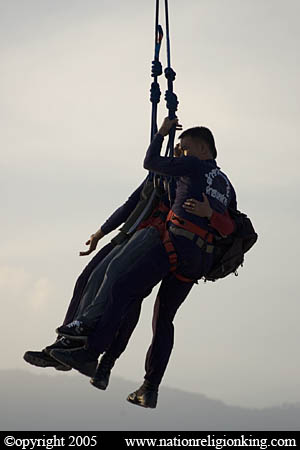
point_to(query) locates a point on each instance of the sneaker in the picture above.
(75, 330)
(146, 396)
(41, 359)
(78, 358)
(101, 378)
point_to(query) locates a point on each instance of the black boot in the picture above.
(62, 343)
(77, 330)
(101, 378)
(81, 359)
(43, 358)
(146, 396)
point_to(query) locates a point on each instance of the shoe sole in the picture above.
(138, 403)
(63, 368)
(39, 362)
(98, 385)
(89, 372)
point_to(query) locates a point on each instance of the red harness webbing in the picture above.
(159, 220)
(190, 226)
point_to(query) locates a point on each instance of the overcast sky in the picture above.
(75, 120)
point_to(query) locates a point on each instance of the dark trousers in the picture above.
(129, 286)
(135, 275)
(171, 295)
(82, 281)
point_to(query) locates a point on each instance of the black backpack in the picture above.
(230, 251)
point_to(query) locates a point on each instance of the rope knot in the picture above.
(170, 74)
(156, 69)
(155, 92)
(172, 101)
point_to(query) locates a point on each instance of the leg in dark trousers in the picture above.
(124, 333)
(102, 375)
(171, 295)
(126, 281)
(43, 358)
(144, 273)
(131, 277)
(82, 281)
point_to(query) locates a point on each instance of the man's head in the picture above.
(199, 142)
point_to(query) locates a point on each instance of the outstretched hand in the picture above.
(92, 242)
(201, 209)
(167, 125)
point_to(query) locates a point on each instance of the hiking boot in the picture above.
(80, 359)
(101, 378)
(62, 343)
(76, 330)
(146, 396)
(41, 359)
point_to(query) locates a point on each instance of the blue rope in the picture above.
(170, 96)
(171, 99)
(168, 34)
(155, 93)
(155, 73)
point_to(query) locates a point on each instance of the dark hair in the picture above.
(201, 133)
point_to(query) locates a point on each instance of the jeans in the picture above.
(117, 266)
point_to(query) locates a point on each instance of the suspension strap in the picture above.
(171, 100)
(145, 206)
(151, 190)
(155, 92)
(156, 72)
(170, 96)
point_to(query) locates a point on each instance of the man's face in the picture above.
(191, 147)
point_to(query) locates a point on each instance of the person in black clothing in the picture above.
(171, 294)
(198, 170)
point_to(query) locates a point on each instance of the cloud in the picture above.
(39, 294)
(13, 280)
(17, 283)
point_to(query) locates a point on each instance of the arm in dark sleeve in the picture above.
(233, 201)
(223, 223)
(123, 212)
(164, 165)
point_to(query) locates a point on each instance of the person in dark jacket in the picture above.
(164, 310)
(198, 173)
